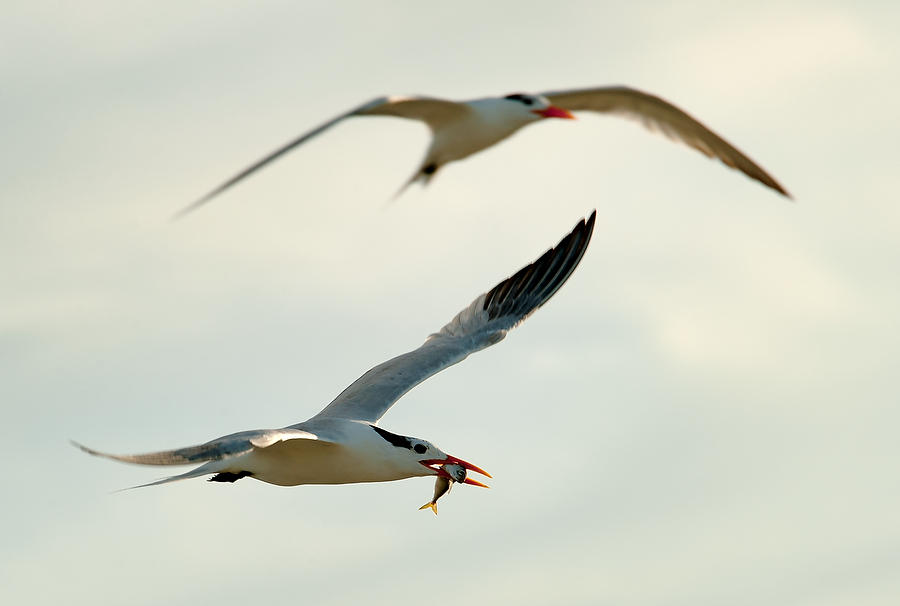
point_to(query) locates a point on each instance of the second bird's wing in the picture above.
(433, 112)
(659, 115)
(482, 324)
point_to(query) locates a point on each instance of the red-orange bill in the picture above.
(467, 465)
(475, 483)
(451, 460)
(554, 112)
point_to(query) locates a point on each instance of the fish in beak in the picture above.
(441, 487)
(451, 470)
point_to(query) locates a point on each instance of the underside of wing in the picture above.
(657, 114)
(225, 447)
(483, 323)
(430, 110)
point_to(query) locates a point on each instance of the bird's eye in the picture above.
(420, 448)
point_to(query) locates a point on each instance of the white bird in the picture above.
(343, 443)
(462, 128)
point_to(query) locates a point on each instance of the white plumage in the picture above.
(462, 128)
(343, 443)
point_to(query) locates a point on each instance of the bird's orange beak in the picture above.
(554, 112)
(435, 464)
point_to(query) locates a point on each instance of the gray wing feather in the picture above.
(483, 323)
(657, 114)
(221, 448)
(434, 112)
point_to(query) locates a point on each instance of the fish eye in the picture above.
(420, 448)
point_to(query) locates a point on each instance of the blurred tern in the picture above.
(343, 443)
(462, 128)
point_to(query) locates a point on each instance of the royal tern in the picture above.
(343, 443)
(462, 128)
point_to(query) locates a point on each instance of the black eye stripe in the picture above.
(524, 99)
(394, 439)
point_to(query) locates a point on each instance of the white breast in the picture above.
(490, 121)
(357, 454)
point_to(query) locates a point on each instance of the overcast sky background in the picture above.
(705, 414)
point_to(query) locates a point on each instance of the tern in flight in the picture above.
(343, 443)
(462, 128)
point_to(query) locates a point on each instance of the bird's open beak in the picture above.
(553, 112)
(435, 465)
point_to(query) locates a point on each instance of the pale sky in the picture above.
(705, 414)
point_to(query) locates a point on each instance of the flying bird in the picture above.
(462, 128)
(344, 443)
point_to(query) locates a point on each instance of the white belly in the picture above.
(468, 137)
(310, 462)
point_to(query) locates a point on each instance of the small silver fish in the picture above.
(443, 484)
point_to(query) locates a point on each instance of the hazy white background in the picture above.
(706, 414)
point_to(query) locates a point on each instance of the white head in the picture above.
(534, 107)
(422, 457)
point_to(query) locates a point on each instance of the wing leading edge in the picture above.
(482, 324)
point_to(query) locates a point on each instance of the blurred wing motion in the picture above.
(482, 324)
(659, 115)
(433, 112)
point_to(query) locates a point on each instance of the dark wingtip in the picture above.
(540, 280)
(773, 184)
(191, 207)
(82, 447)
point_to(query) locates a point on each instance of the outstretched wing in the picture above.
(431, 111)
(481, 324)
(659, 115)
(213, 456)
(225, 447)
